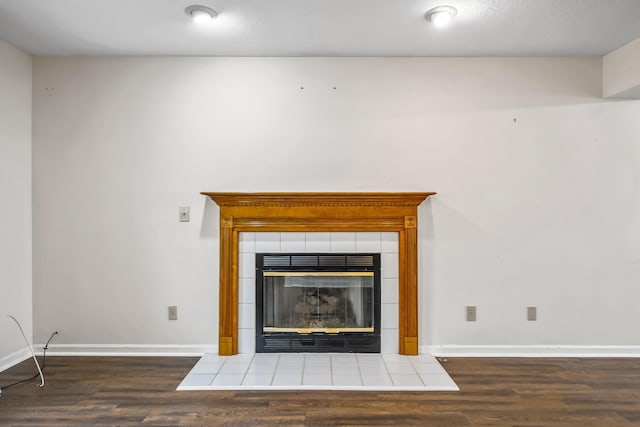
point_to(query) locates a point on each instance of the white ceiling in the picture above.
(319, 27)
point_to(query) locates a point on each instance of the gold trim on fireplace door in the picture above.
(304, 331)
(317, 273)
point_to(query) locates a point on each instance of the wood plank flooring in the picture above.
(128, 391)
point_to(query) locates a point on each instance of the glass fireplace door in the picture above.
(310, 302)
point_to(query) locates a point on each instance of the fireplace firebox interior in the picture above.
(318, 302)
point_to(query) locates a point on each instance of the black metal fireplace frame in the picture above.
(318, 342)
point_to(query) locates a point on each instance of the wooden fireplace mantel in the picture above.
(313, 212)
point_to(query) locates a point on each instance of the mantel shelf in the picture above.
(318, 199)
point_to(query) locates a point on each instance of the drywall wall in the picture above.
(537, 181)
(15, 188)
(621, 72)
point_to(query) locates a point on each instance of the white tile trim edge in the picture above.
(532, 350)
(14, 358)
(320, 387)
(127, 350)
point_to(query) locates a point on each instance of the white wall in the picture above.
(15, 190)
(621, 72)
(537, 179)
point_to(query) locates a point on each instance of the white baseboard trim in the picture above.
(436, 350)
(14, 358)
(127, 350)
(532, 350)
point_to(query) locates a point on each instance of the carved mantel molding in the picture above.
(312, 212)
(318, 199)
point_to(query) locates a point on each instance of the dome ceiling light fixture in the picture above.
(200, 14)
(441, 16)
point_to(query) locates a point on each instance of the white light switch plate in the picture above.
(184, 213)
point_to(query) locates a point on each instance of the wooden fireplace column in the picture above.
(319, 212)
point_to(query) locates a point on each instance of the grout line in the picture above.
(331, 369)
(247, 370)
(415, 372)
(215, 375)
(360, 371)
(388, 373)
(304, 365)
(273, 376)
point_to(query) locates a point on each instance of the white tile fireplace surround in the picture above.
(385, 243)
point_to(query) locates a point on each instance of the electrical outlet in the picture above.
(184, 213)
(471, 313)
(173, 312)
(532, 314)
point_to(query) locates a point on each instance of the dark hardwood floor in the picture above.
(126, 391)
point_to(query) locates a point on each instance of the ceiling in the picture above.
(319, 27)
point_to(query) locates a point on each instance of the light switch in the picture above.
(184, 213)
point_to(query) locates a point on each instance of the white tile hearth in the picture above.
(313, 371)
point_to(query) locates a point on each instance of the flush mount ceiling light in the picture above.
(441, 16)
(200, 14)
